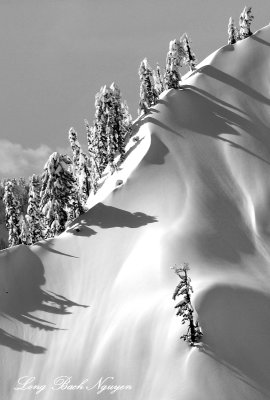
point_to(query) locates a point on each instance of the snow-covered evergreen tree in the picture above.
(121, 121)
(126, 120)
(148, 93)
(158, 80)
(100, 127)
(76, 149)
(185, 309)
(59, 194)
(56, 226)
(94, 167)
(111, 126)
(174, 60)
(13, 211)
(25, 235)
(245, 20)
(34, 216)
(189, 58)
(84, 178)
(232, 32)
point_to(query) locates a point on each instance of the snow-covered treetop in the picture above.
(145, 69)
(246, 16)
(176, 53)
(245, 20)
(56, 162)
(180, 269)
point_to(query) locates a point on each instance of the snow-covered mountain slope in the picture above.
(96, 303)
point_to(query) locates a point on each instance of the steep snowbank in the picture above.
(97, 303)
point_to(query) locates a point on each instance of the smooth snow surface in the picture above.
(96, 303)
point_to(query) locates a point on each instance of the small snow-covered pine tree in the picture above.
(189, 58)
(126, 120)
(158, 80)
(56, 226)
(94, 168)
(84, 178)
(148, 93)
(34, 216)
(121, 121)
(174, 60)
(232, 32)
(25, 235)
(185, 309)
(245, 20)
(100, 127)
(76, 150)
(13, 211)
(59, 194)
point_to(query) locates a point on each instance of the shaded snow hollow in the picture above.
(97, 303)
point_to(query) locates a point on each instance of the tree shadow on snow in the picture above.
(48, 246)
(156, 153)
(260, 40)
(15, 343)
(22, 275)
(236, 324)
(107, 217)
(111, 217)
(212, 116)
(219, 75)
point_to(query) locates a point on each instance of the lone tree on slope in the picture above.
(245, 20)
(185, 309)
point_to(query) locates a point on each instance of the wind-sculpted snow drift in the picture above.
(95, 305)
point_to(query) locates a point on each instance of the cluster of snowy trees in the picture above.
(185, 308)
(17, 190)
(43, 207)
(243, 31)
(153, 82)
(54, 199)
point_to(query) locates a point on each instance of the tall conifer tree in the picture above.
(59, 194)
(245, 20)
(158, 80)
(13, 211)
(174, 60)
(189, 57)
(232, 32)
(148, 93)
(34, 216)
